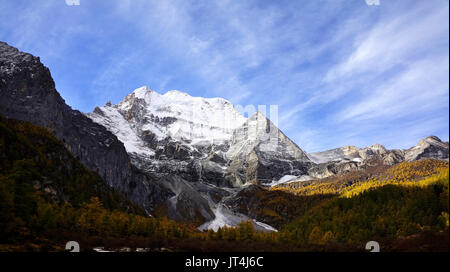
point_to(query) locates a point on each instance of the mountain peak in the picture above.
(378, 147)
(431, 140)
(142, 91)
(429, 147)
(258, 116)
(11, 57)
(173, 93)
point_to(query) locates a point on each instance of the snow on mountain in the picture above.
(290, 178)
(194, 120)
(261, 132)
(111, 119)
(145, 119)
(260, 153)
(225, 217)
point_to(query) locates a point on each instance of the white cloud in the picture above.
(394, 41)
(422, 86)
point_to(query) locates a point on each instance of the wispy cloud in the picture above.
(394, 41)
(422, 86)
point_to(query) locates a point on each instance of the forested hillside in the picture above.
(373, 211)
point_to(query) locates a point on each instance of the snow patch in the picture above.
(224, 217)
(289, 179)
(284, 179)
(113, 121)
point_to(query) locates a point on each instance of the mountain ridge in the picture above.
(358, 154)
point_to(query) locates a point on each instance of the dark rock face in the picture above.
(27, 92)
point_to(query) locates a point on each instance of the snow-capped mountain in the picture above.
(146, 116)
(199, 148)
(205, 135)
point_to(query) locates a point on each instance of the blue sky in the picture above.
(341, 72)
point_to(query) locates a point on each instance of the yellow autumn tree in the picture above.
(315, 237)
(327, 237)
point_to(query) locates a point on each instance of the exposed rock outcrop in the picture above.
(344, 159)
(429, 147)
